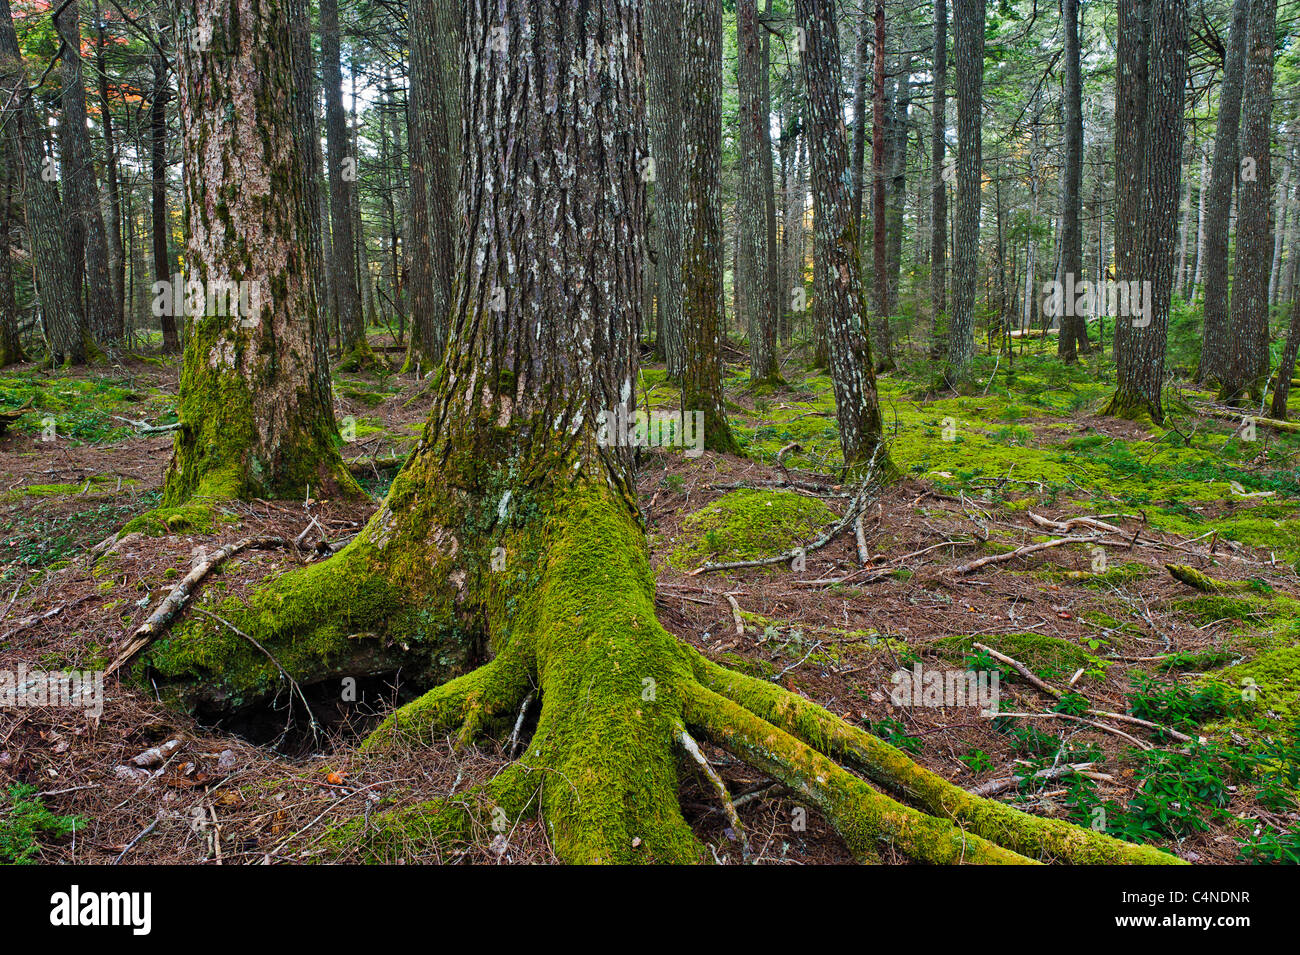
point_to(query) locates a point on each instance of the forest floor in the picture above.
(982, 475)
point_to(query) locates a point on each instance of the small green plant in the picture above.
(1177, 706)
(23, 820)
(893, 733)
(976, 760)
(1072, 704)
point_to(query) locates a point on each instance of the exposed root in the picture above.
(890, 768)
(862, 816)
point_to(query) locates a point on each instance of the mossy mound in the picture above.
(1269, 685)
(1212, 608)
(1049, 657)
(750, 525)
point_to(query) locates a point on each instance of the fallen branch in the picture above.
(1003, 783)
(171, 605)
(692, 749)
(1021, 552)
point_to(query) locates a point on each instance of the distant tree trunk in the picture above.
(1247, 366)
(342, 173)
(666, 115)
(112, 176)
(1073, 336)
(836, 238)
(65, 323)
(865, 27)
(968, 33)
(82, 192)
(433, 108)
(753, 279)
(253, 420)
(1202, 185)
(1185, 226)
(769, 183)
(938, 185)
(1223, 178)
(1141, 337)
(11, 346)
(896, 194)
(703, 249)
(1286, 363)
(882, 346)
(1280, 217)
(160, 227)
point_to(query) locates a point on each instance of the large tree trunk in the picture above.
(527, 537)
(341, 170)
(753, 279)
(256, 419)
(1223, 178)
(1248, 360)
(1073, 335)
(1140, 338)
(664, 51)
(938, 186)
(702, 254)
(160, 227)
(968, 50)
(56, 283)
(835, 239)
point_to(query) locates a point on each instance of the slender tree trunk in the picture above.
(253, 420)
(1202, 184)
(341, 169)
(64, 320)
(703, 248)
(882, 346)
(1280, 221)
(938, 184)
(752, 278)
(1223, 179)
(836, 238)
(112, 177)
(11, 346)
(968, 32)
(1286, 363)
(865, 28)
(1247, 366)
(896, 196)
(1073, 334)
(161, 228)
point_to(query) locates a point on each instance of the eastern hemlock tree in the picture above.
(835, 239)
(1141, 336)
(1218, 200)
(11, 346)
(160, 225)
(256, 419)
(968, 53)
(1247, 366)
(752, 202)
(66, 333)
(882, 345)
(513, 527)
(702, 250)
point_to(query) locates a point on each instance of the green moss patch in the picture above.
(749, 525)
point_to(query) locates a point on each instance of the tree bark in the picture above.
(664, 51)
(160, 227)
(1073, 336)
(882, 346)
